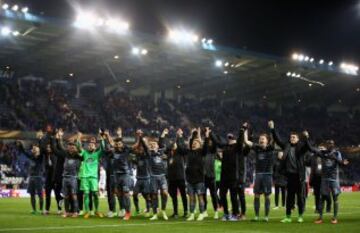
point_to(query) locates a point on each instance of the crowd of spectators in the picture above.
(35, 104)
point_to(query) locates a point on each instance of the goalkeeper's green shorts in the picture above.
(89, 184)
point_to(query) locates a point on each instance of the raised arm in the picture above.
(307, 146)
(139, 134)
(43, 140)
(336, 155)
(276, 136)
(20, 147)
(240, 139)
(246, 139)
(180, 141)
(108, 138)
(56, 146)
(162, 139)
(199, 134)
(78, 143)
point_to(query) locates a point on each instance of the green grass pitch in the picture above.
(15, 217)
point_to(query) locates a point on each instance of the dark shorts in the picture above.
(329, 187)
(142, 186)
(263, 184)
(69, 186)
(198, 188)
(122, 182)
(35, 185)
(158, 183)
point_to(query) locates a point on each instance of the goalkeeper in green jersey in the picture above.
(89, 171)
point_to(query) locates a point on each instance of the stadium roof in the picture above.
(52, 49)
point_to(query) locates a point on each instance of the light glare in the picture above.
(5, 6)
(25, 10)
(5, 31)
(15, 8)
(218, 63)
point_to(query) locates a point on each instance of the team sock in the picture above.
(164, 199)
(155, 203)
(33, 202)
(267, 205)
(136, 202)
(257, 205)
(86, 202)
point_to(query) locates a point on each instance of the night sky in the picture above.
(322, 29)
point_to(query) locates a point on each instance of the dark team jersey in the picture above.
(195, 166)
(209, 165)
(316, 166)
(142, 166)
(209, 159)
(120, 161)
(229, 161)
(72, 165)
(264, 159)
(330, 165)
(156, 162)
(107, 160)
(291, 164)
(157, 165)
(278, 176)
(72, 162)
(176, 166)
(36, 163)
(176, 160)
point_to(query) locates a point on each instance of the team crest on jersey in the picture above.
(261, 156)
(157, 160)
(89, 160)
(329, 163)
(70, 162)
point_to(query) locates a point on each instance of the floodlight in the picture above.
(135, 51)
(180, 36)
(24, 10)
(144, 51)
(5, 31)
(5, 6)
(15, 8)
(295, 56)
(86, 20)
(218, 63)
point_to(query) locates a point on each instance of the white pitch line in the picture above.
(85, 226)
